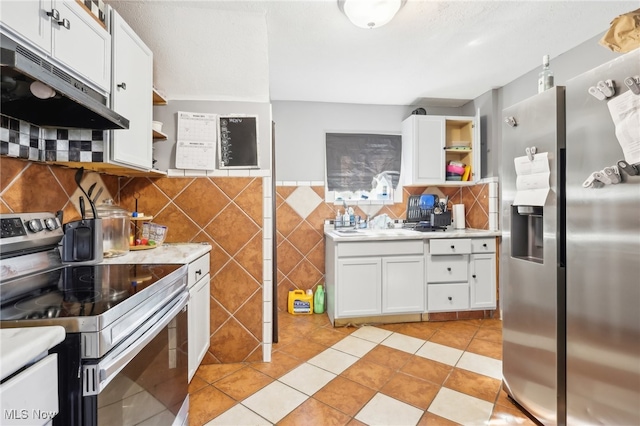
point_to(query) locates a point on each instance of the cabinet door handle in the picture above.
(123, 85)
(65, 23)
(453, 247)
(450, 298)
(449, 269)
(54, 14)
(199, 272)
(484, 245)
(474, 275)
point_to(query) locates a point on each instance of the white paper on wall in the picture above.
(625, 112)
(532, 182)
(196, 141)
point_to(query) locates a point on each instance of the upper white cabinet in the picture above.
(131, 92)
(66, 32)
(430, 142)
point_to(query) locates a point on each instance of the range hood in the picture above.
(71, 103)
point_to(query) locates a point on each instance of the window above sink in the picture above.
(363, 168)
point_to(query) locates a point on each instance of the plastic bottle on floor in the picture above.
(318, 300)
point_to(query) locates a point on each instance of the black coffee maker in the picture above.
(82, 241)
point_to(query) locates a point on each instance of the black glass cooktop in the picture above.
(77, 291)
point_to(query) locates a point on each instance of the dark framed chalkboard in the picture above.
(238, 142)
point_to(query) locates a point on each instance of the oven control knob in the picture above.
(51, 224)
(34, 225)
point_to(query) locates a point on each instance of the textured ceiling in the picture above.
(266, 50)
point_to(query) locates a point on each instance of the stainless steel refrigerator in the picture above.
(570, 264)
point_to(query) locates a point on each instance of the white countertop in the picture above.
(406, 234)
(181, 253)
(20, 346)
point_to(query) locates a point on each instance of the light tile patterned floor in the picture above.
(431, 373)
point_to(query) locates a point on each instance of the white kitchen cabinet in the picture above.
(374, 278)
(430, 142)
(461, 274)
(482, 276)
(198, 311)
(30, 397)
(65, 32)
(403, 284)
(359, 287)
(448, 297)
(131, 92)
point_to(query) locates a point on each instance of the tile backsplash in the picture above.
(225, 212)
(21, 139)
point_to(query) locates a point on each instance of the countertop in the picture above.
(181, 253)
(406, 234)
(20, 346)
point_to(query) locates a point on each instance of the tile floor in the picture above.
(429, 373)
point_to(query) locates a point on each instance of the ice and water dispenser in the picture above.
(527, 231)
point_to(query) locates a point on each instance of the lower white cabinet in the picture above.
(30, 397)
(375, 278)
(198, 311)
(482, 281)
(359, 289)
(403, 284)
(465, 280)
(448, 297)
(395, 277)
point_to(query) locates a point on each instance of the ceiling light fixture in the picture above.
(370, 13)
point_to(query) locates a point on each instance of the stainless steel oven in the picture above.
(124, 360)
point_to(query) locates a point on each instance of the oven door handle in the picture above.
(96, 377)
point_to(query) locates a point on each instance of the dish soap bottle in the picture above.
(318, 300)
(545, 78)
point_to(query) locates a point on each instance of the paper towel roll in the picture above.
(458, 216)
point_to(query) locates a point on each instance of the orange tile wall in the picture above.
(225, 212)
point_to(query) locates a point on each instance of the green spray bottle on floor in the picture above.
(318, 300)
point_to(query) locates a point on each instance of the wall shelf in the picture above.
(159, 135)
(158, 97)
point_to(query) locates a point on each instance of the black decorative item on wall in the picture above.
(238, 142)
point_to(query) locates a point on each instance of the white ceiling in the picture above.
(307, 50)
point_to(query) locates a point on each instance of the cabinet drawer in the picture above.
(483, 245)
(447, 297)
(198, 269)
(381, 248)
(450, 246)
(446, 269)
(33, 390)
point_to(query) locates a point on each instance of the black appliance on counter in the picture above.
(125, 356)
(426, 212)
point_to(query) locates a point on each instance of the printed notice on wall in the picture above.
(625, 113)
(196, 141)
(532, 182)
